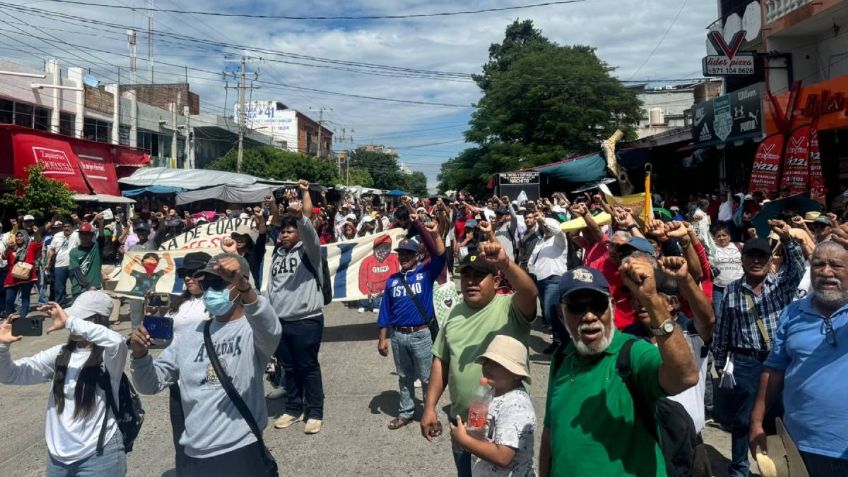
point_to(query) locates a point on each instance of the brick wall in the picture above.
(99, 100)
(161, 95)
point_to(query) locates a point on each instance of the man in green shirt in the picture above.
(86, 262)
(467, 332)
(591, 426)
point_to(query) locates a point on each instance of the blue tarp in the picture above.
(576, 170)
(396, 193)
(154, 189)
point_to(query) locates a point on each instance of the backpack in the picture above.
(675, 434)
(129, 415)
(324, 285)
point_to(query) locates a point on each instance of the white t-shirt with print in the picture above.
(62, 245)
(692, 399)
(511, 422)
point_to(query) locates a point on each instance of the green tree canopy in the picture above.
(271, 163)
(37, 195)
(386, 173)
(541, 102)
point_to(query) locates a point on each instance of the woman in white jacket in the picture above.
(76, 405)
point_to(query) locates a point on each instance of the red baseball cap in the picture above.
(86, 228)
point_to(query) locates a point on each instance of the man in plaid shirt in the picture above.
(748, 319)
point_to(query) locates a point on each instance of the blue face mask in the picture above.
(218, 301)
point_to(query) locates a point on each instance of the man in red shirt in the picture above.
(375, 270)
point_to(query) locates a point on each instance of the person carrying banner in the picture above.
(406, 312)
(296, 296)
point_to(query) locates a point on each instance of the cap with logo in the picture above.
(410, 245)
(475, 261)
(582, 279)
(193, 262)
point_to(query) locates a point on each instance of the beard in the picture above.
(597, 348)
(831, 299)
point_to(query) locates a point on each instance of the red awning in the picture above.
(87, 167)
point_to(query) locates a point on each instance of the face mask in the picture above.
(218, 301)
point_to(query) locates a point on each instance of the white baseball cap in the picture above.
(91, 303)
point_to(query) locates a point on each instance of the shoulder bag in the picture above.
(268, 461)
(432, 324)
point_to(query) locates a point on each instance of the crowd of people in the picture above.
(642, 312)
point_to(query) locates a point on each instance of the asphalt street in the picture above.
(361, 398)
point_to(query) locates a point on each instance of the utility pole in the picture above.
(243, 73)
(320, 129)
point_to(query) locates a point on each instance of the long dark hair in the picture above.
(87, 382)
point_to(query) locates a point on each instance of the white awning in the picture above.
(187, 179)
(103, 199)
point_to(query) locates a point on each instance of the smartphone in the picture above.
(27, 327)
(160, 329)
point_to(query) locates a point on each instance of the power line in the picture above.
(651, 54)
(342, 17)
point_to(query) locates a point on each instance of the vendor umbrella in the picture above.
(396, 193)
(800, 204)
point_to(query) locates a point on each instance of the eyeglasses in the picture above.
(597, 306)
(827, 331)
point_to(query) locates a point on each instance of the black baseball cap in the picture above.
(193, 262)
(757, 245)
(475, 261)
(582, 279)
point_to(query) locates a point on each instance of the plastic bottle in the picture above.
(478, 411)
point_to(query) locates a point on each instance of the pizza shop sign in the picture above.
(730, 61)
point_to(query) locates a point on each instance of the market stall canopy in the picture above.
(87, 167)
(575, 170)
(396, 193)
(248, 194)
(186, 179)
(103, 199)
(154, 189)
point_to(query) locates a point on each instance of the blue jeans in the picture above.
(297, 353)
(12, 292)
(413, 359)
(112, 463)
(60, 284)
(462, 460)
(718, 294)
(746, 371)
(549, 298)
(371, 303)
(43, 286)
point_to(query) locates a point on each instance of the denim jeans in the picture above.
(823, 466)
(60, 284)
(12, 292)
(549, 298)
(746, 371)
(297, 353)
(413, 359)
(371, 303)
(44, 285)
(718, 294)
(462, 460)
(113, 462)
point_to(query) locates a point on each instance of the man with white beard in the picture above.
(591, 423)
(808, 363)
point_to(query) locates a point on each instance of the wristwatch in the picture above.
(665, 328)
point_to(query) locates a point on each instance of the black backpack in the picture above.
(325, 284)
(676, 431)
(128, 412)
(675, 434)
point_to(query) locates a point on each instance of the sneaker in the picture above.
(276, 393)
(375, 310)
(418, 383)
(286, 420)
(360, 310)
(313, 426)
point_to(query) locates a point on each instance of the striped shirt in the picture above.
(736, 324)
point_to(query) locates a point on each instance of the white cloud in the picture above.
(623, 31)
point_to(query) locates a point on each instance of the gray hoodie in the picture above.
(294, 291)
(213, 425)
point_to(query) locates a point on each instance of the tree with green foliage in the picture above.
(386, 173)
(541, 102)
(269, 162)
(37, 195)
(360, 177)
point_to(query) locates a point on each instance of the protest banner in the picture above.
(207, 235)
(358, 267)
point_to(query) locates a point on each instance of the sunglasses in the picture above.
(598, 306)
(827, 331)
(211, 282)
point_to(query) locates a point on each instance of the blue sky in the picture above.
(623, 31)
